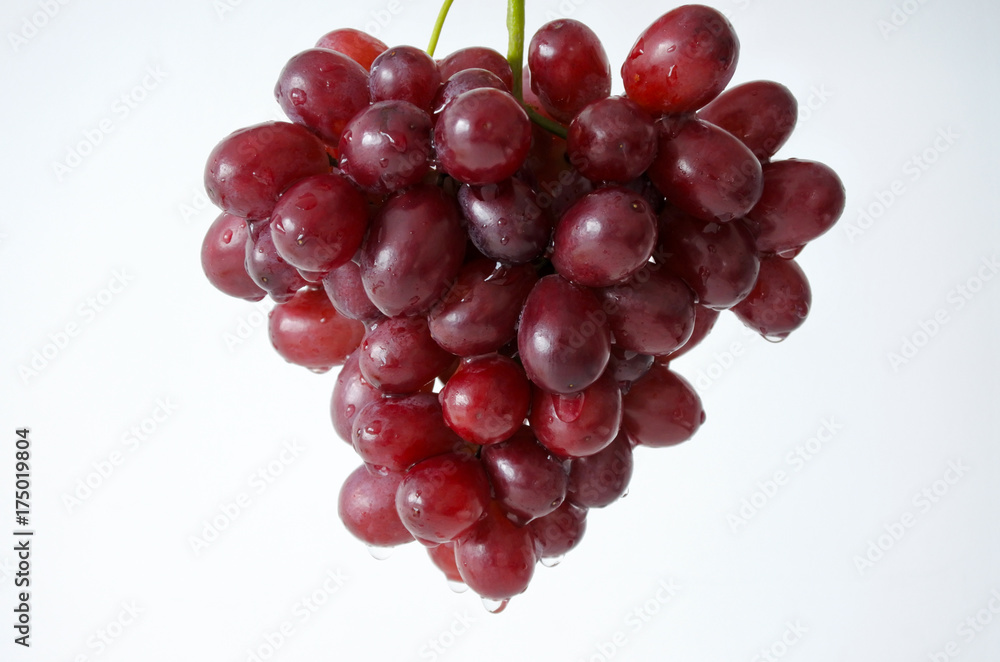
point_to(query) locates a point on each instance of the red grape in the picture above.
(266, 268)
(387, 146)
(344, 287)
(569, 68)
(355, 44)
(322, 89)
(482, 136)
(398, 355)
(395, 433)
(559, 531)
(477, 57)
(250, 168)
(487, 399)
(367, 507)
(601, 479)
(612, 140)
(308, 331)
(497, 557)
(564, 340)
(780, 300)
(662, 409)
(579, 424)
(652, 314)
(528, 480)
(705, 171)
(682, 61)
(506, 223)
(442, 497)
(319, 223)
(223, 258)
(351, 394)
(761, 114)
(405, 73)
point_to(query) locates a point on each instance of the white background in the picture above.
(810, 573)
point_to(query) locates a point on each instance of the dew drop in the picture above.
(374, 429)
(624, 494)
(379, 553)
(457, 587)
(320, 371)
(503, 241)
(227, 236)
(298, 96)
(551, 561)
(775, 338)
(495, 606)
(568, 407)
(350, 410)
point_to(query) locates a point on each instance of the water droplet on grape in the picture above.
(349, 411)
(298, 96)
(624, 494)
(775, 338)
(495, 606)
(380, 553)
(551, 561)
(227, 236)
(320, 371)
(568, 407)
(457, 587)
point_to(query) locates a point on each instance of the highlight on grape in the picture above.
(504, 261)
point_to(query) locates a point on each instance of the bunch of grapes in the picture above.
(506, 263)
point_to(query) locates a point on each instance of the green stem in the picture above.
(442, 15)
(541, 120)
(515, 42)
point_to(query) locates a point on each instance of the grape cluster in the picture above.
(506, 281)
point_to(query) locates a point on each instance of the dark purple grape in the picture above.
(682, 61)
(405, 73)
(780, 300)
(601, 479)
(271, 273)
(347, 293)
(398, 355)
(569, 68)
(651, 314)
(250, 168)
(319, 223)
(482, 137)
(627, 366)
(477, 57)
(528, 480)
(322, 89)
(564, 340)
(387, 146)
(605, 238)
(413, 251)
(506, 223)
(612, 140)
(717, 260)
(479, 314)
(705, 171)
(761, 114)
(801, 201)
(223, 258)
